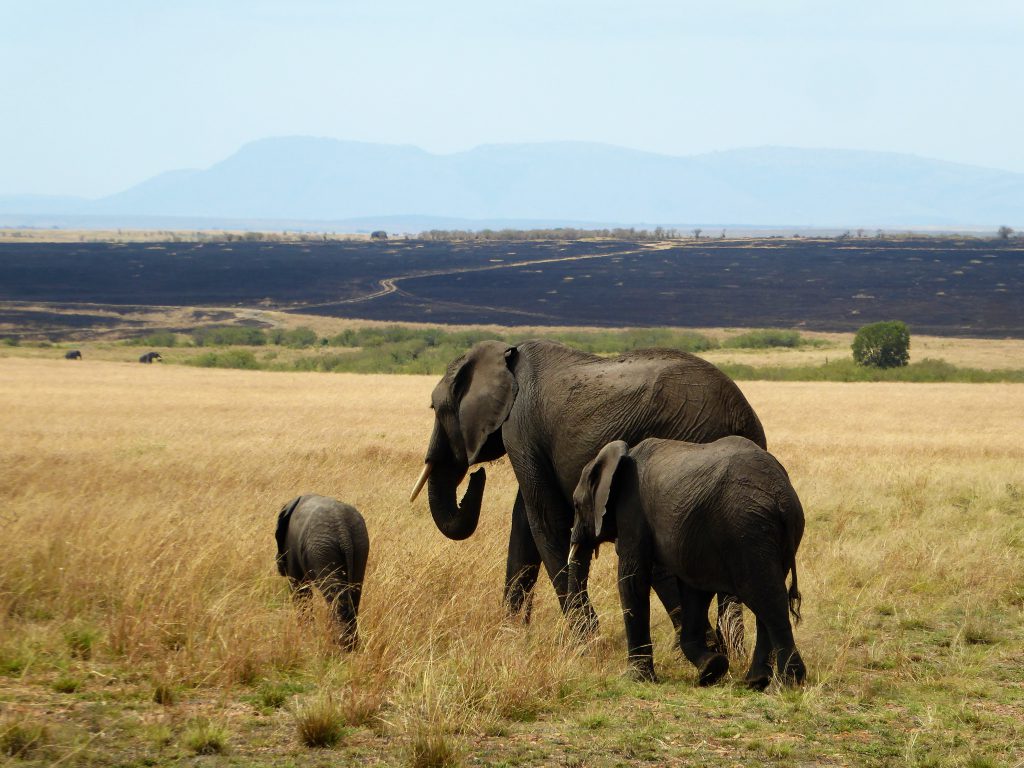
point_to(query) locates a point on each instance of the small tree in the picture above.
(882, 345)
(1005, 232)
(696, 233)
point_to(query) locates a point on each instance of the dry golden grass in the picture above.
(138, 507)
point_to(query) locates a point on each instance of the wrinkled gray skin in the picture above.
(551, 408)
(722, 517)
(324, 542)
(149, 357)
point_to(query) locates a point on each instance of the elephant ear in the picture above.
(283, 519)
(602, 473)
(485, 390)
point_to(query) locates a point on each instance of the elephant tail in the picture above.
(794, 595)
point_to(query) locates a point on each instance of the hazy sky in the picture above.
(97, 95)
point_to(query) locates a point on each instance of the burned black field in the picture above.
(938, 286)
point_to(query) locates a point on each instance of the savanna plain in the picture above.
(142, 620)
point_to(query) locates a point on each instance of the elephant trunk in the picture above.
(456, 521)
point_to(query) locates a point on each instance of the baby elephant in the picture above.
(722, 516)
(324, 542)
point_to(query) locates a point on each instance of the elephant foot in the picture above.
(794, 672)
(711, 669)
(641, 670)
(758, 681)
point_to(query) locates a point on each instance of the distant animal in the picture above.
(323, 542)
(149, 357)
(379, 234)
(722, 517)
(74, 354)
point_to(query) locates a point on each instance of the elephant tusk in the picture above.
(420, 483)
(572, 553)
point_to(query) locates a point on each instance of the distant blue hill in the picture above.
(298, 179)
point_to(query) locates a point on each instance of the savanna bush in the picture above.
(882, 345)
(763, 339)
(230, 358)
(298, 338)
(158, 339)
(228, 335)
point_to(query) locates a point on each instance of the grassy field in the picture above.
(142, 621)
(718, 345)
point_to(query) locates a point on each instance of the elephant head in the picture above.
(470, 404)
(590, 502)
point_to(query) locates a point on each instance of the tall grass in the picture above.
(142, 500)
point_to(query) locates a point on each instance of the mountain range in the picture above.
(293, 181)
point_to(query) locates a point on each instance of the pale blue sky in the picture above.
(97, 95)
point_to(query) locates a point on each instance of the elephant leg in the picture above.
(635, 596)
(760, 672)
(349, 612)
(523, 564)
(551, 523)
(771, 607)
(341, 598)
(667, 588)
(729, 636)
(693, 637)
(576, 607)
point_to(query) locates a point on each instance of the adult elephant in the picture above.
(74, 354)
(551, 409)
(150, 357)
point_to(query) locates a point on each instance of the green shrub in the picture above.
(319, 722)
(205, 738)
(296, 337)
(275, 695)
(430, 747)
(228, 335)
(67, 684)
(81, 640)
(231, 358)
(763, 339)
(164, 694)
(20, 738)
(882, 345)
(159, 339)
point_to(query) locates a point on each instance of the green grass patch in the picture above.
(67, 684)
(158, 339)
(926, 370)
(204, 737)
(274, 695)
(20, 738)
(228, 358)
(766, 339)
(319, 723)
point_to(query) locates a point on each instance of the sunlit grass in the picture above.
(142, 599)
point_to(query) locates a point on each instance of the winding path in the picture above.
(389, 285)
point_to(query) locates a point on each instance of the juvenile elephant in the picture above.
(551, 408)
(723, 517)
(149, 357)
(74, 354)
(324, 542)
